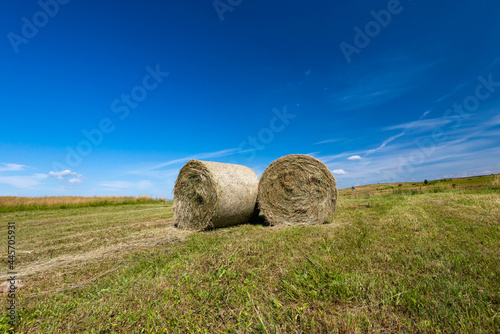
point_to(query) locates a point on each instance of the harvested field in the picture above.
(422, 262)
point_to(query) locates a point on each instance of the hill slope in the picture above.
(474, 182)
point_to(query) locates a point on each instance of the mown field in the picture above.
(397, 262)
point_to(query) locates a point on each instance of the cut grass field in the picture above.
(426, 262)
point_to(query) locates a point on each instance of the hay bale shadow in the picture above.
(260, 220)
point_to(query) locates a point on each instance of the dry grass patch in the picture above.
(13, 204)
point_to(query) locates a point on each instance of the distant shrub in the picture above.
(426, 182)
(406, 192)
(437, 189)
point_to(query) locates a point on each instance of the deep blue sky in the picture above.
(380, 114)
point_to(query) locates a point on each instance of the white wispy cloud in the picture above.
(63, 174)
(10, 167)
(327, 141)
(122, 185)
(420, 125)
(464, 145)
(70, 178)
(24, 181)
(358, 90)
(339, 171)
(494, 121)
(453, 92)
(494, 62)
(385, 142)
(354, 157)
(207, 155)
(334, 157)
(469, 150)
(75, 181)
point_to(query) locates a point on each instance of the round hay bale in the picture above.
(297, 189)
(212, 194)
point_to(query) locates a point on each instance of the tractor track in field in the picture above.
(54, 221)
(137, 241)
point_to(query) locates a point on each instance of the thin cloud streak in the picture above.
(118, 185)
(384, 144)
(208, 155)
(420, 125)
(24, 182)
(472, 143)
(405, 127)
(10, 167)
(327, 141)
(453, 92)
(361, 91)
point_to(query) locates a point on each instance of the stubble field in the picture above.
(395, 262)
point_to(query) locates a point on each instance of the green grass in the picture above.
(423, 262)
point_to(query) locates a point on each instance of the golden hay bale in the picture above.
(212, 194)
(297, 189)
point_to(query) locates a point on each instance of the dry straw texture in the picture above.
(297, 189)
(212, 194)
